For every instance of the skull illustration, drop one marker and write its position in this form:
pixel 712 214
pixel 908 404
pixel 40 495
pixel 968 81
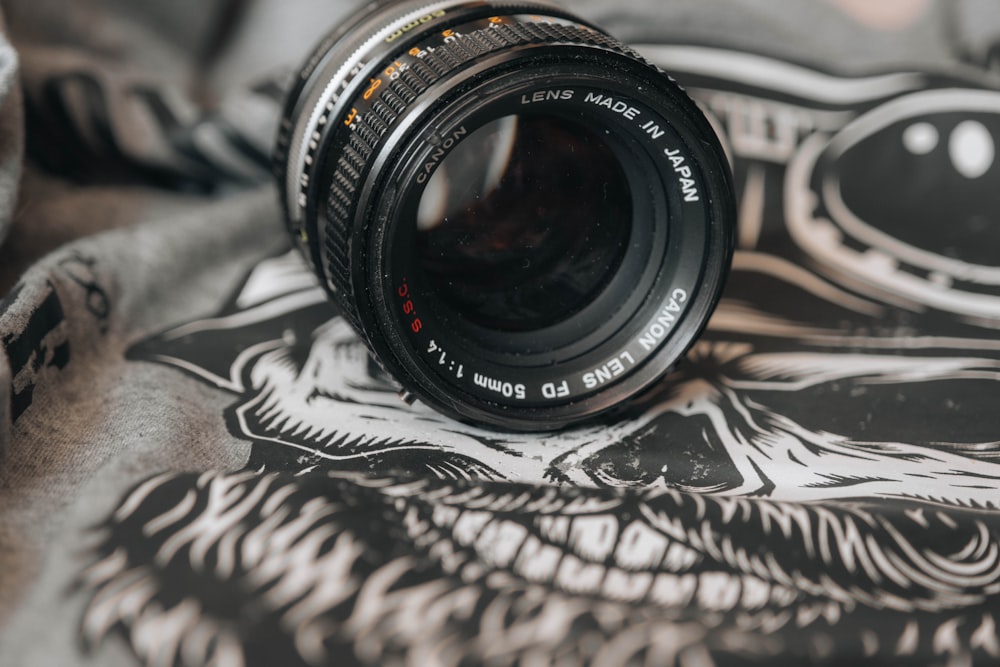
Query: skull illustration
pixel 835 366
pixel 821 473
pixel 769 404
pixel 847 359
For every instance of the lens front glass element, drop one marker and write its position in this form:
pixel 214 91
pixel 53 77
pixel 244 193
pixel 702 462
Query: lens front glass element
pixel 524 222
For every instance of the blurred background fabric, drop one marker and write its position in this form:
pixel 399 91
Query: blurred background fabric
pixel 200 465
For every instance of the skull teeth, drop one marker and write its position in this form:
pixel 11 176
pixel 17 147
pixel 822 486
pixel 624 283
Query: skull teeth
pixel 538 562
pixel 594 537
pixel 641 548
pixel 597 554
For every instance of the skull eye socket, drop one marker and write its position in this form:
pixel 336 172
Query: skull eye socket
pixel 692 457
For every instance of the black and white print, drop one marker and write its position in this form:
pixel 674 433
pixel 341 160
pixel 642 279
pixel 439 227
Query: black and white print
pixel 40 348
pixel 331 568
pixel 820 480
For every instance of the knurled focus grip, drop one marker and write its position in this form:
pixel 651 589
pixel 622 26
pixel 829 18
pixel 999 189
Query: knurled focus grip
pixel 354 142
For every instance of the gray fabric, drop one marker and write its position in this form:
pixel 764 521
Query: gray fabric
pixel 832 41
pixel 148 273
pixel 126 258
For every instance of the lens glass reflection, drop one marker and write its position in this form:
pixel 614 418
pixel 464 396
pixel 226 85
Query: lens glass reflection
pixel 524 222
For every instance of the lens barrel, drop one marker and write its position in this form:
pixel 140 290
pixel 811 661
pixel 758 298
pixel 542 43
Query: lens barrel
pixel 526 222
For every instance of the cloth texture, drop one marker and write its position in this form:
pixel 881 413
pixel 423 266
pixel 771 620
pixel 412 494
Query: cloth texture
pixel 200 465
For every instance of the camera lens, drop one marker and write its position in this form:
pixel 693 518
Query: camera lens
pixel 526 222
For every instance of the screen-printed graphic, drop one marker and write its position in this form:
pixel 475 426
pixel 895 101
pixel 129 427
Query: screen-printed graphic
pixel 819 479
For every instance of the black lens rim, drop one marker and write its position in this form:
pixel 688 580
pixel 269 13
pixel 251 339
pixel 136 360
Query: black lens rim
pixel 704 266
pixel 334 211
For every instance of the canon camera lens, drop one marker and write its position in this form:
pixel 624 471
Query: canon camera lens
pixel 525 221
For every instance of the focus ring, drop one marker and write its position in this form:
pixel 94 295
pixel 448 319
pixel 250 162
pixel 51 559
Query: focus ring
pixel 368 128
